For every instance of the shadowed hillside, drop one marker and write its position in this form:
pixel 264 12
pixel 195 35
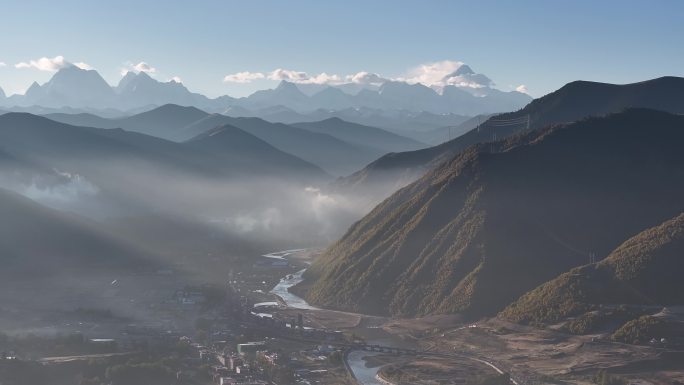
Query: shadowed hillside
pixel 497 220
pixel 320 144
pixel 360 135
pixel 570 103
pixel 333 155
pixel 40 141
pixel 645 270
pixel 36 240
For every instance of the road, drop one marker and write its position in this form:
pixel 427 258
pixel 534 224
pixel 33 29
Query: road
pixel 63 359
pixel 351 347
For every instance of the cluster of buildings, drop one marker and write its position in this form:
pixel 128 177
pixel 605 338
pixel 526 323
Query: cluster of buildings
pixel 320 352
pixel 253 363
pixel 239 366
pixel 190 296
pixel 658 342
pixel 8 356
pixel 294 327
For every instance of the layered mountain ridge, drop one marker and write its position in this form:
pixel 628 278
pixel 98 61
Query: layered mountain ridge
pixel 497 220
pixel 338 147
pixel 74 87
pixel 571 102
pixel 644 270
pixel 40 142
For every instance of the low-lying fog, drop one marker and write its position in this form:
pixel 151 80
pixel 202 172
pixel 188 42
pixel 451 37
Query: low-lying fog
pixel 257 208
pixel 200 226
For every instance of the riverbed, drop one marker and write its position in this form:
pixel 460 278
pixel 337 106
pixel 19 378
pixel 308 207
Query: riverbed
pixel 364 375
pixel 291 300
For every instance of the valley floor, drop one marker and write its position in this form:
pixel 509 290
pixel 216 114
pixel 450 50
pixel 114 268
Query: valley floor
pixel 531 355
pixel 535 355
pixel 450 351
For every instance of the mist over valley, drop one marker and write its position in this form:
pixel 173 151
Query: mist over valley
pixel 383 193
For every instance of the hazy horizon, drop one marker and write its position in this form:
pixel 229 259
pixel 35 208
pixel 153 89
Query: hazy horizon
pixel 316 43
pixel 341 193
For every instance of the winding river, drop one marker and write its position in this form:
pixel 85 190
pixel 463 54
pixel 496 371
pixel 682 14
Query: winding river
pixel 291 300
pixel 365 375
pixel 355 360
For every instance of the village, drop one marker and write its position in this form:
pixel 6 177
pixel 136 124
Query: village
pixel 227 335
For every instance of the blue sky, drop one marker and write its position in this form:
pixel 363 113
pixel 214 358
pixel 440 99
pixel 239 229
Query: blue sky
pixel 539 44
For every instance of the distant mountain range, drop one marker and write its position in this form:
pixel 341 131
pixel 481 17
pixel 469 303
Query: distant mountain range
pixel 495 221
pixel 360 135
pixel 424 127
pixel 570 103
pixel 391 95
pixel 73 87
pixel 338 147
pixel 139 90
pixel 415 125
pixel 537 215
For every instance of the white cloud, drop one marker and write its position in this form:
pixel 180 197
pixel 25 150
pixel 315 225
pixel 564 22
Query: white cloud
pixel 431 73
pixel 435 75
pixel 303 77
pixel 137 68
pixel 319 199
pixel 144 67
pixel 84 66
pixel 364 77
pixel 288 75
pixel 70 187
pixel 177 79
pixel 45 64
pixel 469 80
pixel 2 64
pixel 324 78
pixel 243 77
pixel 283 74
pixel 521 88
pixel 446 72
